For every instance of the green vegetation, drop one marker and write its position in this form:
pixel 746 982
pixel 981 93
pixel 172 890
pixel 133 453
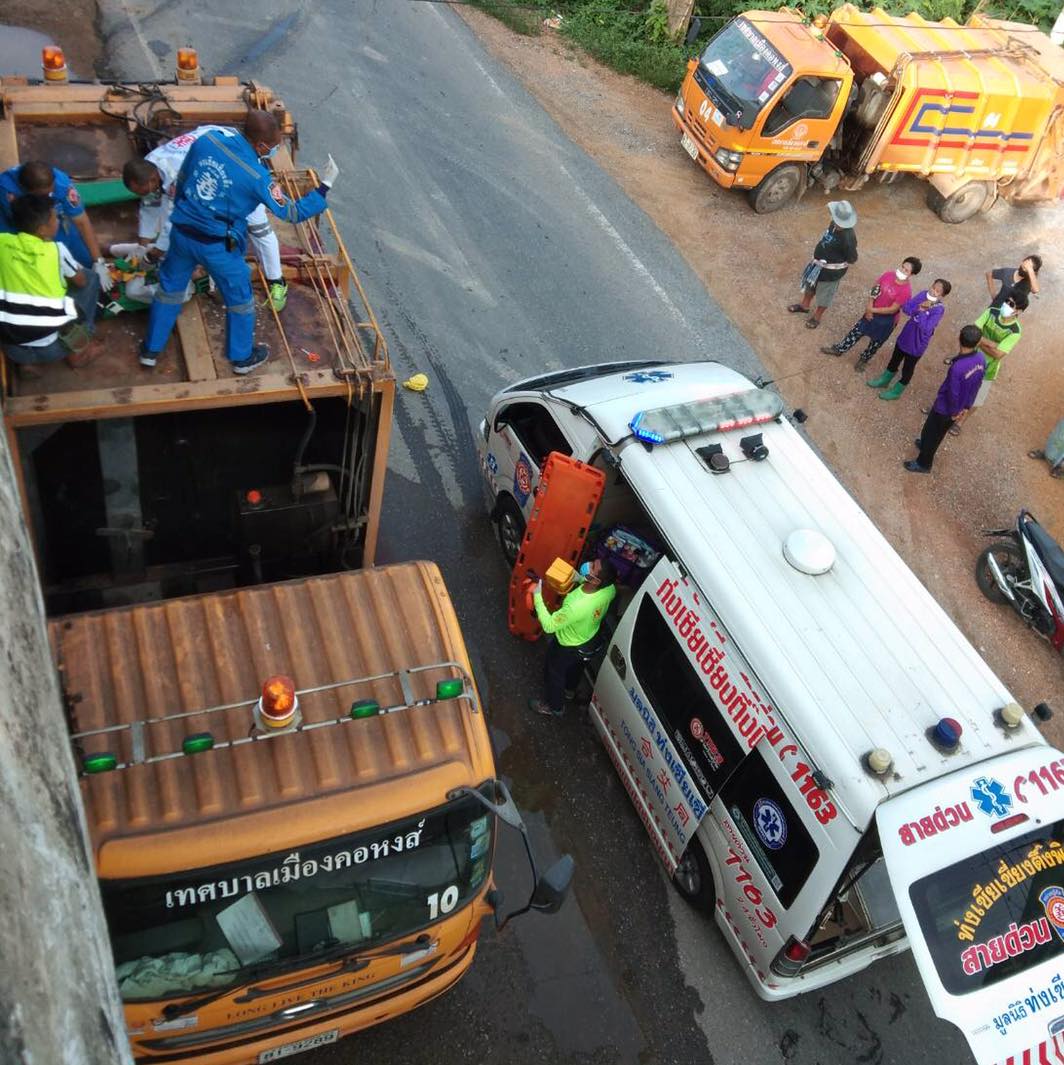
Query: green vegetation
pixel 631 36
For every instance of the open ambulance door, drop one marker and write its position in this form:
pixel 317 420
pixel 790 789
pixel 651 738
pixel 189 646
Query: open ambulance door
pixel 976 862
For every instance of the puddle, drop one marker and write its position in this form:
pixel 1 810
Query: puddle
pixel 20 51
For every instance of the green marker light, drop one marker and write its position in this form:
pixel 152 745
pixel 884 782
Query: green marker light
pixel 450 689
pixel 365 708
pixel 99 763
pixel 197 742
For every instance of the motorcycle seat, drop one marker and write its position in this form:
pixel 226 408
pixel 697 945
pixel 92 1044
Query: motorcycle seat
pixel 1049 551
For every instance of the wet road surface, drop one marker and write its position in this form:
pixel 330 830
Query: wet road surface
pixel 492 249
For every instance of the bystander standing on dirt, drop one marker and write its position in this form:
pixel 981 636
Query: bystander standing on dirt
pixel 833 255
pixel 925 311
pixel 955 397
pixel 1007 281
pixel 1053 452
pixel 890 291
pixel 1001 332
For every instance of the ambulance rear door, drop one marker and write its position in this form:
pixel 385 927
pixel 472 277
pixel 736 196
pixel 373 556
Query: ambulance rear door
pixel 976 862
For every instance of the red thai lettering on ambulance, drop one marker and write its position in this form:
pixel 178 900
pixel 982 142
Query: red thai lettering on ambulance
pixel 1046 778
pixel 742 876
pixel 939 820
pixel 743 705
pixel 1018 939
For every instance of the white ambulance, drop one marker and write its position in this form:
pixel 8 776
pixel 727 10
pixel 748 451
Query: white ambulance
pixel 818 755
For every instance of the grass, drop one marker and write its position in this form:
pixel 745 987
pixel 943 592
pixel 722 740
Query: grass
pixel 523 18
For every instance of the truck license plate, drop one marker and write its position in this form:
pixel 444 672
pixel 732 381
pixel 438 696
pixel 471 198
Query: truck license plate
pixel 286 1050
pixel 690 147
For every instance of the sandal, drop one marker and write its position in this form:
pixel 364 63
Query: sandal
pixel 813 323
pixel 797 308
pixel 1038 453
pixel 954 430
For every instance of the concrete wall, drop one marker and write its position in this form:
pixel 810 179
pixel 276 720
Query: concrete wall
pixel 58 1000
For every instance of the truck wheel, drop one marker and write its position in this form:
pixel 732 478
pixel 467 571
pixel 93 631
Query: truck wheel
pixel 777 189
pixel 693 879
pixel 510 523
pixel 1010 561
pixel 961 204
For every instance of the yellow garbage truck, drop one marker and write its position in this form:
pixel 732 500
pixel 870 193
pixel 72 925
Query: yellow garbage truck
pixel 778 102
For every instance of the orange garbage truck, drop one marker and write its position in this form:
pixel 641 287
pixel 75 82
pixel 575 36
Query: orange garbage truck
pixel 778 102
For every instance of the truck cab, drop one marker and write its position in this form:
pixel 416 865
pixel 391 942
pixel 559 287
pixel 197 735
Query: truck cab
pixel 764 100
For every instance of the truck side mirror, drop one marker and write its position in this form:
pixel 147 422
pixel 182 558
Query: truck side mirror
pixel 553 886
pixel 693 30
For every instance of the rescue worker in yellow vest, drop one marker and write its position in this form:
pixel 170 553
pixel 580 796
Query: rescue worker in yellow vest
pixel 35 270
pixel 575 628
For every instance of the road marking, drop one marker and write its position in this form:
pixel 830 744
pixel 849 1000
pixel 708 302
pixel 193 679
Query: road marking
pixel 476 62
pixel 636 263
pixel 134 23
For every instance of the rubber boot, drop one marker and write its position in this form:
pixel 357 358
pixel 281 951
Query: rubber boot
pixel 894 392
pixel 882 380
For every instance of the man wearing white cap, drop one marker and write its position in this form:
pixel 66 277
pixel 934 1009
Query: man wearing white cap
pixel 835 252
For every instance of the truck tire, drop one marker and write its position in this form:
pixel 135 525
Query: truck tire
pixel 510 523
pixel 694 880
pixel 961 204
pixel 777 189
pixel 1010 560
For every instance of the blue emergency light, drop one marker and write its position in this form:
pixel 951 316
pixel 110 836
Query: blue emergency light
pixel 738 410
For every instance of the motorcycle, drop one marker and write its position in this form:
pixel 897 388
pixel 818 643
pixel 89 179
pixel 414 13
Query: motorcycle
pixel 1026 570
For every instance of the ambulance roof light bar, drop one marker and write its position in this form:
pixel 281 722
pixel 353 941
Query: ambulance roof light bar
pixel 738 410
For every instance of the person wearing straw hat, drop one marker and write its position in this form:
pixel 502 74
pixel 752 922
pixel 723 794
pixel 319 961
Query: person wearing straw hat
pixel 834 254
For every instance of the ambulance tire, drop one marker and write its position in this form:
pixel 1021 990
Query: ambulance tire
pixel 961 204
pixel 510 524
pixel 694 879
pixel 777 189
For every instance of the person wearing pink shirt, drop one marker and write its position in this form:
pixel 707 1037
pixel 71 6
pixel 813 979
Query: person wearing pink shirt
pixel 880 313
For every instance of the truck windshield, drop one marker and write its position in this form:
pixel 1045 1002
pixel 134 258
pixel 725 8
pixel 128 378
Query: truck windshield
pixel 996 914
pixel 739 71
pixel 203 929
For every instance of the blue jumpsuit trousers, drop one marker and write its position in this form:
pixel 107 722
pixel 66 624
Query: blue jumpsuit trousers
pixel 230 273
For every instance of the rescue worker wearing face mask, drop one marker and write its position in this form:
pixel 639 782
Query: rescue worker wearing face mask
pixel 574 626
pixel 222 181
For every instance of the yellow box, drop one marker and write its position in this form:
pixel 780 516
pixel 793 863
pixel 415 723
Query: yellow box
pixel 561 577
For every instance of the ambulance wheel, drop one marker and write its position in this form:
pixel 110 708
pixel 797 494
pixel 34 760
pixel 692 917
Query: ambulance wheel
pixel 510 523
pixel 1010 561
pixel 961 204
pixel 778 189
pixel 693 879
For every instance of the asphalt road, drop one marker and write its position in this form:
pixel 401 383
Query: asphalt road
pixel 492 248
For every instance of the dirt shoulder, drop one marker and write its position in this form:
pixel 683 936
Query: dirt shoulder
pixel 751 265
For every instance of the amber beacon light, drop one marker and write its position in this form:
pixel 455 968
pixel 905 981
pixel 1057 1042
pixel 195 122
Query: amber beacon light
pixel 53 63
pixel 279 704
pixel 188 65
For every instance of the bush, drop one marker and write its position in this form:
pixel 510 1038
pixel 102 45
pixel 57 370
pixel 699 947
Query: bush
pixel 522 17
pixel 624 42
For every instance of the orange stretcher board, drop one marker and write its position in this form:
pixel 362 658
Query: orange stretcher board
pixel 565 503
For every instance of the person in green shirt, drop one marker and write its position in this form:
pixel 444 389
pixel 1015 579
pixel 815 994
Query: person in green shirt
pixel 1001 331
pixel 574 626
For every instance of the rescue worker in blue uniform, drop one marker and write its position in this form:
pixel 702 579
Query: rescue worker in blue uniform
pixel 75 230
pixel 221 182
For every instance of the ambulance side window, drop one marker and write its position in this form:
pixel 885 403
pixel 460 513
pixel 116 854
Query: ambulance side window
pixel 534 427
pixel 776 837
pixel 675 688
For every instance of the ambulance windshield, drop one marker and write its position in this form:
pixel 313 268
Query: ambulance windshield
pixel 997 914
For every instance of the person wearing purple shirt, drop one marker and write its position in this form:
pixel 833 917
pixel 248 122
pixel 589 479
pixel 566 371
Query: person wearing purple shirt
pixel 955 396
pixel 925 311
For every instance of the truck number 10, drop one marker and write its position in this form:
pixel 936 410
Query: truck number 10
pixel 441 903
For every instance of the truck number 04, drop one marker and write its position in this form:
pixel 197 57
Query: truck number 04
pixel 440 903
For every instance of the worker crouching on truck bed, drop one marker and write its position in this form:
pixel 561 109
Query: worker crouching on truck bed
pixel 154 180
pixel 35 270
pixel 222 181
pixel 575 626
